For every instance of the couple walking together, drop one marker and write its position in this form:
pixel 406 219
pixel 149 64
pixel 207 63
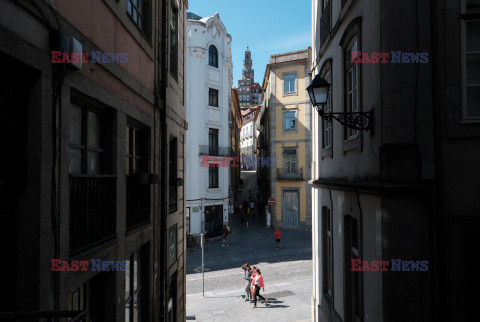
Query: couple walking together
pixel 254 279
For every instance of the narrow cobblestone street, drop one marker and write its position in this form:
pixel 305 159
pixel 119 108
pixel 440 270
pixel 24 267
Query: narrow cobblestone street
pixel 287 273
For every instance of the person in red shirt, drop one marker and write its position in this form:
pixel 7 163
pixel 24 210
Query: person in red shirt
pixel 277 239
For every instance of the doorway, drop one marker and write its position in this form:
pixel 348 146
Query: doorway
pixel 213 221
pixel 290 207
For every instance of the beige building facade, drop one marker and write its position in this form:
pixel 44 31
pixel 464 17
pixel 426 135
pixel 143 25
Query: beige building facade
pixel 287 107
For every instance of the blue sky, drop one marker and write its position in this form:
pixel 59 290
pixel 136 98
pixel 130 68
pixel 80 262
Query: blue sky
pixel 266 26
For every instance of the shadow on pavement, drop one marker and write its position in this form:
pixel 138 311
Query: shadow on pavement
pixel 254 245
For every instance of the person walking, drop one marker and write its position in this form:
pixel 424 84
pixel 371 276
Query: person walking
pixel 244 204
pixel 191 241
pixel 248 277
pixel 243 217
pixel 252 207
pixel 259 284
pixel 277 238
pixel 252 284
pixel 225 235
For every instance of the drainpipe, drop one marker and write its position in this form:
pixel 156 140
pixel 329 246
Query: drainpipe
pixel 163 163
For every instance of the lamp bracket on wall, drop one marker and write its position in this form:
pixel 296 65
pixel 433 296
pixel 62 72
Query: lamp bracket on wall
pixel 362 121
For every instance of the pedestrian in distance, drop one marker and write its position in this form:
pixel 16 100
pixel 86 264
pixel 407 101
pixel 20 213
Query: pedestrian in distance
pixel 191 241
pixel 259 284
pixel 245 205
pixel 248 277
pixel 277 238
pixel 225 235
pixel 252 207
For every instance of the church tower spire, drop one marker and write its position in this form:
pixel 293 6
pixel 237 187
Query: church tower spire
pixel 248 72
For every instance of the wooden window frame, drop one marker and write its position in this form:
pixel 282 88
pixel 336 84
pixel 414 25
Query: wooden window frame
pixel 213 95
pixel 327 258
pixel 466 17
pixel 173 32
pixel 143 10
pixel 213 56
pixel 84 147
pixel 213 177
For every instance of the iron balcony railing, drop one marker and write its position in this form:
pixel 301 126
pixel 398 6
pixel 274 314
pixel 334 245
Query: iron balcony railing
pixel 92 211
pixel 138 202
pixel 75 316
pixel 287 175
pixel 215 150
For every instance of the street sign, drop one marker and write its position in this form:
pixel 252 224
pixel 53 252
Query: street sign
pixel 271 201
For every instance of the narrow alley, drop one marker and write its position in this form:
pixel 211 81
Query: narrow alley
pixel 287 272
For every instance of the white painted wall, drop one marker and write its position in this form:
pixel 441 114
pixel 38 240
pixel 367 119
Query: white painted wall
pixel 200 117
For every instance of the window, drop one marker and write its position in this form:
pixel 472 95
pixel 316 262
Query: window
pixel 212 56
pixel 138 11
pixel 213 177
pixel 289 121
pixel 213 141
pixel 471 60
pixel 352 86
pixel 76 299
pixel 136 286
pixel 327 126
pixel 172 169
pixel 289 83
pixel 327 252
pixel 213 97
pixel 353 278
pixel 290 161
pixel 173 40
pixel 87 141
pixel 135 160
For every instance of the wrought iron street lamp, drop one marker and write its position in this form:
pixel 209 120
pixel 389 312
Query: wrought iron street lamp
pixel 318 92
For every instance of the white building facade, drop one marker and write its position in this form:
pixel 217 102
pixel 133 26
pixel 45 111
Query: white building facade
pixel 209 82
pixel 248 141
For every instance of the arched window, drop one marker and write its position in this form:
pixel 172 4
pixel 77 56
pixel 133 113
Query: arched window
pixel 213 56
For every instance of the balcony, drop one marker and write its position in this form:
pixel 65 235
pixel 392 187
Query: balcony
pixel 138 202
pixel 92 211
pixel 214 151
pixel 282 175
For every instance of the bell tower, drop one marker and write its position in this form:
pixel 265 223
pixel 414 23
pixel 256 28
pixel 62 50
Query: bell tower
pixel 248 72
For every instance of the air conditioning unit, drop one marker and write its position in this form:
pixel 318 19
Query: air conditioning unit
pixel 71 45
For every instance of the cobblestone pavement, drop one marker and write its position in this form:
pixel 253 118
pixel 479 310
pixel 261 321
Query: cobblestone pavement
pixel 287 273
